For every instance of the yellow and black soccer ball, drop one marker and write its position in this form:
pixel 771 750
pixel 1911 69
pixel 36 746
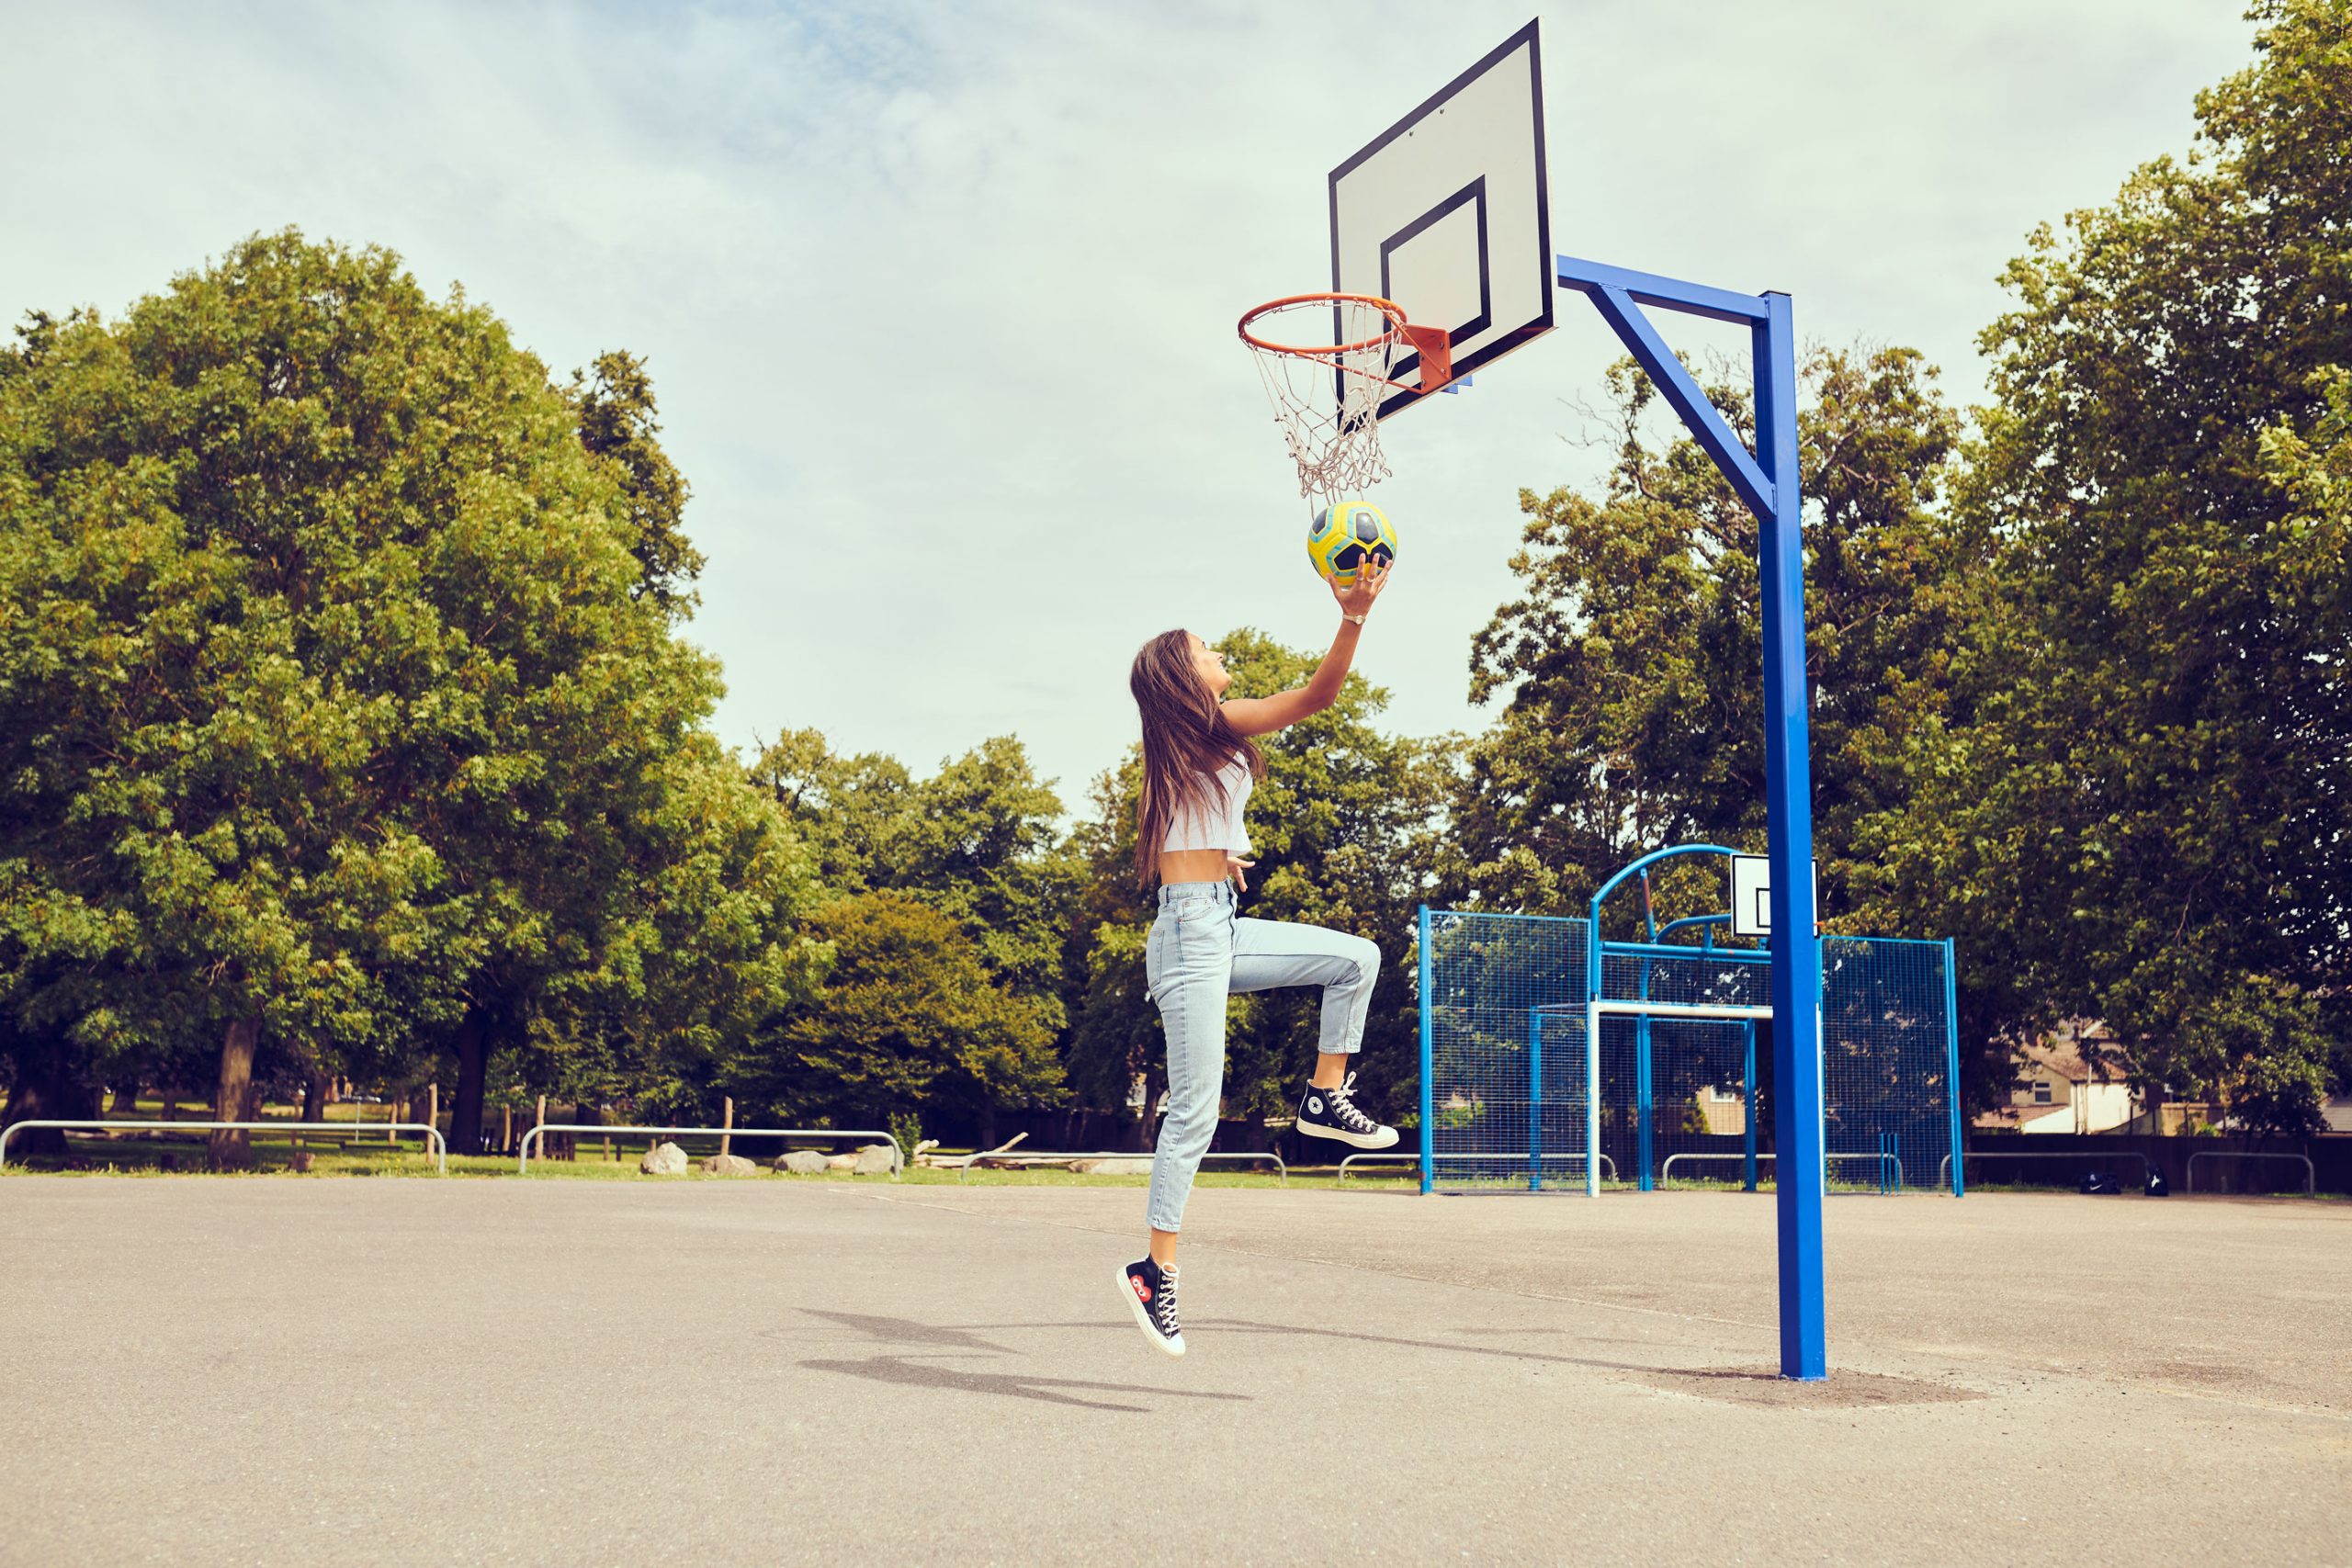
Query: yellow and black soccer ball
pixel 1345 535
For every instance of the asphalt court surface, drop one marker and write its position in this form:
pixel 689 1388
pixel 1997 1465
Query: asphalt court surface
pixel 252 1371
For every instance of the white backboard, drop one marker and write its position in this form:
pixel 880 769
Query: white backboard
pixel 1751 894
pixel 1448 213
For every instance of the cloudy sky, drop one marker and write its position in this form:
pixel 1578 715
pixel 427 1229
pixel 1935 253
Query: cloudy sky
pixel 939 297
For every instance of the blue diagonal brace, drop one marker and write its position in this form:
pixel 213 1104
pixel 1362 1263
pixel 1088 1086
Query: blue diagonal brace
pixel 1706 422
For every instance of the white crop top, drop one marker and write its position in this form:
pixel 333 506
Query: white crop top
pixel 1204 826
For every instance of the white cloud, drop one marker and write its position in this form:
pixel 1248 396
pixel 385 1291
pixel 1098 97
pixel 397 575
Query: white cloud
pixel 939 300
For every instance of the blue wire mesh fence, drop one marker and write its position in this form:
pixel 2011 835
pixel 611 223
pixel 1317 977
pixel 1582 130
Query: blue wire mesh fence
pixel 1505 1068
pixel 1886 1039
pixel 1683 1101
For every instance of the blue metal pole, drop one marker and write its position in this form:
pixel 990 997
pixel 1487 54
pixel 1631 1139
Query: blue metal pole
pixel 1534 1099
pixel 1592 1055
pixel 1642 1136
pixel 1788 814
pixel 1952 1061
pixel 1646 1142
pixel 1429 1122
pixel 1748 1084
pixel 1768 483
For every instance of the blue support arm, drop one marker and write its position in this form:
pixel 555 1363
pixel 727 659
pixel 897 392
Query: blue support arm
pixel 1706 422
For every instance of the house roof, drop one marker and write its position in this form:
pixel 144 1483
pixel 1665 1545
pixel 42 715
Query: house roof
pixel 2060 1052
pixel 2016 1118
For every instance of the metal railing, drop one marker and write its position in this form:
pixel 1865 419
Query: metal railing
pixel 440 1144
pixel 1884 1158
pixel 1414 1158
pixel 1039 1156
pixel 2090 1160
pixel 2189 1178
pixel 828 1134
pixel 1608 1166
pixel 1665 1171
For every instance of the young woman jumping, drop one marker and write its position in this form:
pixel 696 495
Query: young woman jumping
pixel 1199 765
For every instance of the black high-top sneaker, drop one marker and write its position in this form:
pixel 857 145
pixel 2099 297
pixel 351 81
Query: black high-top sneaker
pixel 1151 1296
pixel 1332 1113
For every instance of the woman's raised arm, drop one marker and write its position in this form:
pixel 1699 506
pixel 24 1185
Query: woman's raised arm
pixel 1264 715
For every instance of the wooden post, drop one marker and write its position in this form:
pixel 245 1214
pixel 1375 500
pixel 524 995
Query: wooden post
pixel 541 1122
pixel 506 1129
pixel 726 1119
pixel 432 1111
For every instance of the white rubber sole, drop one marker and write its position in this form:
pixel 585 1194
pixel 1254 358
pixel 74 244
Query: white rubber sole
pixel 1143 1319
pixel 1383 1139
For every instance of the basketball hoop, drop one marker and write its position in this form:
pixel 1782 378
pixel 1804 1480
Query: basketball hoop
pixel 1326 395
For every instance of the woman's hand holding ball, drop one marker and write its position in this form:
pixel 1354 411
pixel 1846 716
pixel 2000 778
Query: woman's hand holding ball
pixel 1355 597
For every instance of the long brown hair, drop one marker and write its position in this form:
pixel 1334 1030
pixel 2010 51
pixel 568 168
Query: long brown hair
pixel 1187 741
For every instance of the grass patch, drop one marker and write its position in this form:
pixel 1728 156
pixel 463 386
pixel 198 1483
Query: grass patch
pixel 183 1154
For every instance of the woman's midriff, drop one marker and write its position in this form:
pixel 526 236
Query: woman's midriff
pixel 1192 865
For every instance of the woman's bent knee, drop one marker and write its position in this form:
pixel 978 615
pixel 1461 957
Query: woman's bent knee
pixel 1185 1145
pixel 1187 1129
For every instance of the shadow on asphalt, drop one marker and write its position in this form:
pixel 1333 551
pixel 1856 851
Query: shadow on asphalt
pixel 894 1331
pixel 922 1371
pixel 905 1331
pixel 1758 1387
pixel 916 1373
pixel 1244 1326
pixel 945 1342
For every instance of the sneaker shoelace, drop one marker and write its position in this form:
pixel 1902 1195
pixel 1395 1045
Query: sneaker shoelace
pixel 1344 1108
pixel 1164 1304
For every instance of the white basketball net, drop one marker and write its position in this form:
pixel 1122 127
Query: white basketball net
pixel 1327 401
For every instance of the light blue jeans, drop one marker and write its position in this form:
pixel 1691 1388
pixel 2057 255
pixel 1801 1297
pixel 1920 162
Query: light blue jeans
pixel 1202 953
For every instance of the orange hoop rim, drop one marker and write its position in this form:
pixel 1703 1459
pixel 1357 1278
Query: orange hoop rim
pixel 1388 308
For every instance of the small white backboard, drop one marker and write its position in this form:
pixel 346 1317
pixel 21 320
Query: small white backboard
pixel 1448 213
pixel 1751 894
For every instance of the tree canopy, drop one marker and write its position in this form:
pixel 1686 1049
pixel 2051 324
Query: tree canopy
pixel 343 705
pixel 2138 801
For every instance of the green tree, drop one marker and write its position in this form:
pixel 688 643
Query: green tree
pixel 703 951
pixel 910 1015
pixel 980 841
pixel 192 847
pixel 1629 666
pixel 2145 775
pixel 617 409
pixel 341 703
pixel 979 844
pixel 1628 670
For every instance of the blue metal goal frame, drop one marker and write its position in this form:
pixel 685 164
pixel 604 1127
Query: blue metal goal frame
pixel 1495 984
